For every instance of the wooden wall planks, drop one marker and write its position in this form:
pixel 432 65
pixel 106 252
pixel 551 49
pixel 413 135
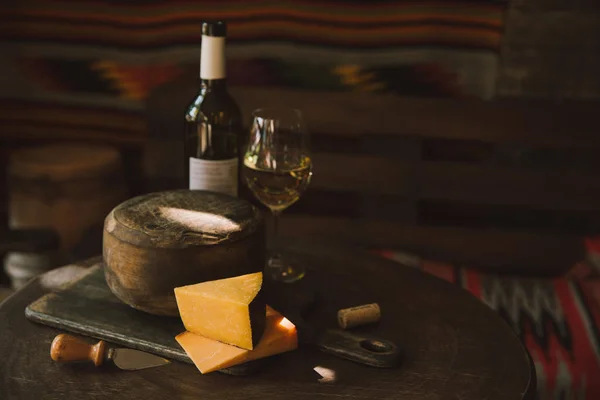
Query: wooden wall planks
pixel 489 184
pixel 60 122
pixel 375 167
pixel 527 122
pixel 385 187
pixel 493 250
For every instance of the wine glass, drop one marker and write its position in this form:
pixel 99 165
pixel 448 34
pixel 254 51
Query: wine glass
pixel 278 169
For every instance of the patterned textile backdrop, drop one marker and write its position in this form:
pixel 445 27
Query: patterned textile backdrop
pixel 99 60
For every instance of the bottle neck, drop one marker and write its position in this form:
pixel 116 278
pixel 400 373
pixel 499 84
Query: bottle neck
pixel 212 59
pixel 213 85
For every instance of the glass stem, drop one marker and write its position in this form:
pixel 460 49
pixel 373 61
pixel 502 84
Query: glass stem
pixel 275 235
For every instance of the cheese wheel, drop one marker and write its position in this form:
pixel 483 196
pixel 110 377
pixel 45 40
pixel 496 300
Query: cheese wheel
pixel 159 241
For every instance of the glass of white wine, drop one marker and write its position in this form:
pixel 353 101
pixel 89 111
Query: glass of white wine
pixel 278 169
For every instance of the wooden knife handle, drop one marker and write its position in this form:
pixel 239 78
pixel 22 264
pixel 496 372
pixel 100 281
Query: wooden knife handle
pixel 66 348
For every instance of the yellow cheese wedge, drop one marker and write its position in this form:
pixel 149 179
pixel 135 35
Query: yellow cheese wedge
pixel 229 310
pixel 210 355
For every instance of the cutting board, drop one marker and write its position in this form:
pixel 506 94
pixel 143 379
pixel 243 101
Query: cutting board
pixel 88 307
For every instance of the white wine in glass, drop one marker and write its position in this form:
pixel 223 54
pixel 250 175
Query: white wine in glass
pixel 278 169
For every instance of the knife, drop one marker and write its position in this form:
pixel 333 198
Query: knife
pixel 66 348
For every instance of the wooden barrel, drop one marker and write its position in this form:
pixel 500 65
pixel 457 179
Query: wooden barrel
pixel 159 241
pixel 67 187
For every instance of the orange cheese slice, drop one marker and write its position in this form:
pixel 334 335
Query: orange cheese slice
pixel 230 310
pixel 210 355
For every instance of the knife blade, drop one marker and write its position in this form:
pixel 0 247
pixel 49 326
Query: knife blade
pixel 66 348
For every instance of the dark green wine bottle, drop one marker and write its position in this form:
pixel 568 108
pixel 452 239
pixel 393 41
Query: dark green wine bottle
pixel 213 130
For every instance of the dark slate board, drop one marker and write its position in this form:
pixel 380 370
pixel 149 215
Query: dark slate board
pixel 88 307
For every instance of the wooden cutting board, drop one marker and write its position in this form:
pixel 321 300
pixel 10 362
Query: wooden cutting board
pixel 88 307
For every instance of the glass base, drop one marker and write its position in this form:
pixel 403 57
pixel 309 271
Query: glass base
pixel 280 270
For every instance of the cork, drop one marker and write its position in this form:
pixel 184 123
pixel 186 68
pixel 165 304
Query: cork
pixel 359 315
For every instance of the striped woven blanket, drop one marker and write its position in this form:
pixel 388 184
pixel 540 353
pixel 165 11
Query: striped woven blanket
pixel 101 59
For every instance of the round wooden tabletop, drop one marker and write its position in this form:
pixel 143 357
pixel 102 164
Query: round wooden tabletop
pixel 454 347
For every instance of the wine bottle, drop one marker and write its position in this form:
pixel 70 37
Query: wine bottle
pixel 213 130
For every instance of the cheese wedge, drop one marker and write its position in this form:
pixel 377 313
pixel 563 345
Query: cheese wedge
pixel 229 310
pixel 210 355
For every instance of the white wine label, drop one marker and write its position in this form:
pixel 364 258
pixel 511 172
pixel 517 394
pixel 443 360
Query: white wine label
pixel 212 58
pixel 214 175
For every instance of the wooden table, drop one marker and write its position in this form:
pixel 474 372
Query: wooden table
pixel 454 346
